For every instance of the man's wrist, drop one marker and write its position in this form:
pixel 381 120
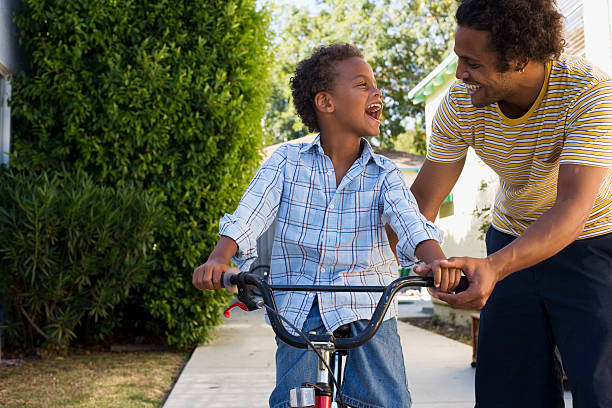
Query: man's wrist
pixel 498 265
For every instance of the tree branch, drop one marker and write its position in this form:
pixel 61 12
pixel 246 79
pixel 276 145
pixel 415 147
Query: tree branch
pixel 42 333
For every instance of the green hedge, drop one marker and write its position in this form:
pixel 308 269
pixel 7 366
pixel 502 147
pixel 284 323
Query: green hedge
pixel 165 94
pixel 71 252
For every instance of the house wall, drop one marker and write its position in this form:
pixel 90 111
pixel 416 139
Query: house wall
pixel 5 120
pixel 10 63
pixel 597 33
pixel 10 53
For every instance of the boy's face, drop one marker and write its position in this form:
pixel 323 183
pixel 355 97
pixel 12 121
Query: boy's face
pixel 477 66
pixel 356 99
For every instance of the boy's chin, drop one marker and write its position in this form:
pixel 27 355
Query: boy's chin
pixel 373 132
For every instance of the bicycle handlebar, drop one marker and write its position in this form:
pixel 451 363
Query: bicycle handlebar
pixel 241 280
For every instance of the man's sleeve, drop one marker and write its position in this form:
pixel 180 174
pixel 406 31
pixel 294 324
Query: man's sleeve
pixel 588 139
pixel 446 144
pixel 257 209
pixel 400 209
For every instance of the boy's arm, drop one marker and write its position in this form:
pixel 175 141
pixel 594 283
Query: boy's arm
pixel 393 240
pixel 208 276
pixel 418 237
pixel 257 209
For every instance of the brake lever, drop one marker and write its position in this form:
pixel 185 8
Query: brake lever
pixel 234 281
pixel 241 305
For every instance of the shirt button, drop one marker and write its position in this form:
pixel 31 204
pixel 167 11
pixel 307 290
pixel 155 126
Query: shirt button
pixel 323 270
pixel 331 207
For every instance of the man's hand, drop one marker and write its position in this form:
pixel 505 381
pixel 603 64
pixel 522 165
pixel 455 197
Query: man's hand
pixel 208 276
pixel 482 277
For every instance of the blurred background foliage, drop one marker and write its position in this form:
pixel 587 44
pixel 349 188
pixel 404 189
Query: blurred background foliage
pixel 402 40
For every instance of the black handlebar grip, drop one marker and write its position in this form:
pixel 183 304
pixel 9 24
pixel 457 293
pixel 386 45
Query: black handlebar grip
pixel 226 280
pixel 463 285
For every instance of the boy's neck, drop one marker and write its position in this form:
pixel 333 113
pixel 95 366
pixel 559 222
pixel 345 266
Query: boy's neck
pixel 342 149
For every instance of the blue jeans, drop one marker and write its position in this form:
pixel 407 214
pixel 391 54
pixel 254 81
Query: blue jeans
pixel 374 374
pixel 566 301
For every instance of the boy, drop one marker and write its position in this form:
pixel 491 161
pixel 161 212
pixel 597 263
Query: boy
pixel 331 197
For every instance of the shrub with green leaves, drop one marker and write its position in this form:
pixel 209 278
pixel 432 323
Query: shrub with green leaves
pixel 71 252
pixel 166 94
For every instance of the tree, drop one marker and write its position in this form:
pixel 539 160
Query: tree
pixel 165 95
pixel 402 42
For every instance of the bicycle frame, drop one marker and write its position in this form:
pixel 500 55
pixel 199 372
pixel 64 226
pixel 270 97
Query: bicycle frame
pixel 329 348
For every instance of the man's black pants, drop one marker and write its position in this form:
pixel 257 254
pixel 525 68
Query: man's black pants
pixel 565 300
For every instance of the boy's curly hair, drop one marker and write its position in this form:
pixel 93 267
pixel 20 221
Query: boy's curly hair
pixel 316 74
pixel 519 29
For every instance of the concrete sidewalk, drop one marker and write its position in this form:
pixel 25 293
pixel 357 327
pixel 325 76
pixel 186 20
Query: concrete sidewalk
pixel 237 368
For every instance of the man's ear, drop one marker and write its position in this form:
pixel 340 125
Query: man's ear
pixel 521 64
pixel 323 102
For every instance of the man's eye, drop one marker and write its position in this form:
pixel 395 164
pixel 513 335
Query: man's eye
pixel 473 66
pixel 362 84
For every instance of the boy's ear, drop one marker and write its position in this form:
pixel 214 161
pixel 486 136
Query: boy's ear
pixel 323 102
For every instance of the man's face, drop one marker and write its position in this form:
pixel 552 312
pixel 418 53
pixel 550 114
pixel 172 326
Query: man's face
pixel 478 67
pixel 357 100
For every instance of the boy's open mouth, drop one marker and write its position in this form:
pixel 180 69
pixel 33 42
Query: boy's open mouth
pixel 374 110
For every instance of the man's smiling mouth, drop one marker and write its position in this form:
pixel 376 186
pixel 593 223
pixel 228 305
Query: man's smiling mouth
pixel 472 88
pixel 374 110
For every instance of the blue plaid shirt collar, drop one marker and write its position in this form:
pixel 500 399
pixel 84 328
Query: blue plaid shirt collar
pixel 367 153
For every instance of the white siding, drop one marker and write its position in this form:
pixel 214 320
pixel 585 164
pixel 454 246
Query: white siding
pixel 5 120
pixel 597 32
pixel 10 54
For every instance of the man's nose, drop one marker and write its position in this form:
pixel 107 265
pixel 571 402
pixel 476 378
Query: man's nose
pixel 460 72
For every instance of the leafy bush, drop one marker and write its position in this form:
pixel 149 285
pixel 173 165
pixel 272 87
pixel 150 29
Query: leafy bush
pixel 168 95
pixel 71 251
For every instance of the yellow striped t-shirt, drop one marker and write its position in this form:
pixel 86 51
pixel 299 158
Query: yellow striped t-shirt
pixel 569 123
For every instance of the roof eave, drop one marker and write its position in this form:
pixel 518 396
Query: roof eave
pixel 435 78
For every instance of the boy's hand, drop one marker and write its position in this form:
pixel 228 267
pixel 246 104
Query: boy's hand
pixel 208 276
pixel 445 278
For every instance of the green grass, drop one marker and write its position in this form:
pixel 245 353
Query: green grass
pixel 88 380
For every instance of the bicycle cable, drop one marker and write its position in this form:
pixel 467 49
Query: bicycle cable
pixel 311 346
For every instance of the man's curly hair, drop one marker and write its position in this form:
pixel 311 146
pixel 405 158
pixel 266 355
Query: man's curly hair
pixel 519 29
pixel 317 74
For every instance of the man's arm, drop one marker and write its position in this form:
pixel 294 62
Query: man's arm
pixel 577 189
pixel 433 184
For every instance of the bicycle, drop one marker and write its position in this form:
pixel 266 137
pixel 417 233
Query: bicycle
pixel 330 348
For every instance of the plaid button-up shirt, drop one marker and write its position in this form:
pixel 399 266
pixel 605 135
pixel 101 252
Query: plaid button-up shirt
pixel 328 234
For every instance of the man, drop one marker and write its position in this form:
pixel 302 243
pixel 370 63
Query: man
pixel 543 123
